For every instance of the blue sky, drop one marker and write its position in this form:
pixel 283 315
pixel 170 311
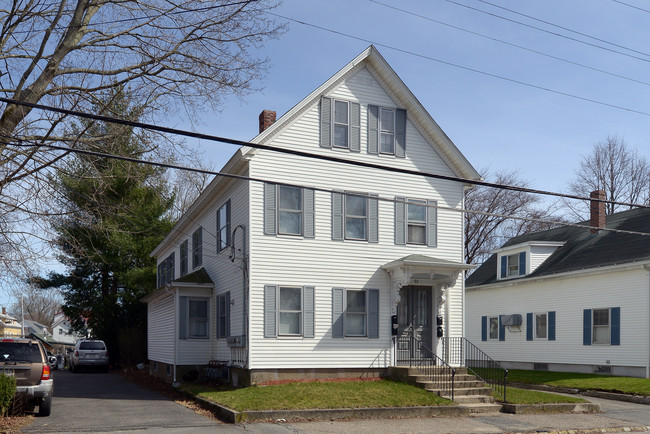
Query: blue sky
pixel 496 123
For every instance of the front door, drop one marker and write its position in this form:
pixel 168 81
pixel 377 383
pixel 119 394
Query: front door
pixel 415 313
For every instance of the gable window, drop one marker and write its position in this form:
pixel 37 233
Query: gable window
pixel 602 326
pixel 416 221
pixel 340 124
pixel 197 247
pixel 540 326
pixel 288 311
pixel 355 313
pixel 193 318
pixel 223 227
pixel 166 270
pixel 386 131
pixel 355 217
pixel 513 265
pixel 223 315
pixel 184 258
pixel 288 210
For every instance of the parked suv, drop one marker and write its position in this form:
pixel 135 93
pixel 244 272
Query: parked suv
pixel 27 360
pixel 89 352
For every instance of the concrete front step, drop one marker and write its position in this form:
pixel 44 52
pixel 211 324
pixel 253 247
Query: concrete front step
pixel 473 399
pixel 482 407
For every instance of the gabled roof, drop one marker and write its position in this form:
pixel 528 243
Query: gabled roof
pixel 582 249
pixel 391 83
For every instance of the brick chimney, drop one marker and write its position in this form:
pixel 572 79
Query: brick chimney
pixel 4 310
pixel 267 118
pixel 597 210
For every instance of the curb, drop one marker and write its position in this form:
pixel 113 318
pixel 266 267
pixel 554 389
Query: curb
pixel 579 407
pixel 636 399
pixel 231 416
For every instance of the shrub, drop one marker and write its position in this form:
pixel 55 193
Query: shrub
pixel 7 392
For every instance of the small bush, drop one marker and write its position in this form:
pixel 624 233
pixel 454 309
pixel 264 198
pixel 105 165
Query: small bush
pixel 7 392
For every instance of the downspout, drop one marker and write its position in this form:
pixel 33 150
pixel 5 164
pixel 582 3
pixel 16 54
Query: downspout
pixel 176 303
pixel 244 283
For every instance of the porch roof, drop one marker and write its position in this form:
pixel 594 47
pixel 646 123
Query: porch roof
pixel 426 263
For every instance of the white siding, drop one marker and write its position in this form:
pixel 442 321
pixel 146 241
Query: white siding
pixel 324 263
pixel 567 297
pixel 160 329
pixel 539 254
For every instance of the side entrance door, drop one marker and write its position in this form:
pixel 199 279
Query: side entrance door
pixel 415 313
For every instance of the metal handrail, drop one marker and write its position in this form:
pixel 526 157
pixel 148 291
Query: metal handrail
pixel 459 351
pixel 411 350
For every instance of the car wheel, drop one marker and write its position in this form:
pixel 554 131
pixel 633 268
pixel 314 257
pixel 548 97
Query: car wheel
pixel 45 406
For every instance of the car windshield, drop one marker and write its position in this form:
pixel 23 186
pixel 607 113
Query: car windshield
pixel 20 352
pixel 98 345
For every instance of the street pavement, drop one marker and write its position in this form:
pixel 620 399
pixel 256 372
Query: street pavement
pixel 97 402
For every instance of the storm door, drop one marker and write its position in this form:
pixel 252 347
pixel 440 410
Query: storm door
pixel 414 318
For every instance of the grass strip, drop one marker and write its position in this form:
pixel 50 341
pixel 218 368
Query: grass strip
pixel 320 395
pixel 630 385
pixel 525 396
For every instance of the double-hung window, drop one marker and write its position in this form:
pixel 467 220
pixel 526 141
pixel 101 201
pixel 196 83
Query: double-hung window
pixel 184 258
pixel 386 131
pixel 223 227
pixel 355 217
pixel 340 124
pixel 602 326
pixel 494 327
pixel 513 265
pixel 288 210
pixel 197 248
pixel 288 311
pixel 416 222
pixel 193 320
pixel 355 313
pixel 540 326
pixel 223 315
pixel 166 270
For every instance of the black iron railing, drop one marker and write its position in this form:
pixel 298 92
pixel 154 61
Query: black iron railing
pixel 413 353
pixel 461 352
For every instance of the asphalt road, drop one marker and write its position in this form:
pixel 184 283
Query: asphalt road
pixel 97 402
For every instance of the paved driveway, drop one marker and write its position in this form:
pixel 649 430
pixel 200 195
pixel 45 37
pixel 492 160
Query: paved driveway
pixel 99 402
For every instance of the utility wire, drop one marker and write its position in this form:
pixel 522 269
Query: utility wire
pixel 320 189
pixel 564 28
pixel 550 32
pixel 298 153
pixel 466 68
pixel 501 41
pixel 631 6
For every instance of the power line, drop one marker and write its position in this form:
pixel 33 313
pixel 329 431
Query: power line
pixel 501 41
pixel 298 153
pixel 550 32
pixel 631 6
pixel 466 68
pixel 321 189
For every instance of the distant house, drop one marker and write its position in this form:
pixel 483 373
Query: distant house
pixel 10 326
pixel 36 328
pixel 568 299
pixel 62 331
pixel 301 271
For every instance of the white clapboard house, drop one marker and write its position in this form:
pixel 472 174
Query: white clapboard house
pixel 569 299
pixel 296 268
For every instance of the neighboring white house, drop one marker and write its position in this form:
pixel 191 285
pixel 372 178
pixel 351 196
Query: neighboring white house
pixel 298 270
pixel 62 331
pixel 568 299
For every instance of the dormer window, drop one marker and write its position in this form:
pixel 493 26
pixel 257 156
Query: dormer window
pixel 513 265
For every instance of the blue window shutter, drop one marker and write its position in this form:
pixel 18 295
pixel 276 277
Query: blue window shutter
pixel 502 329
pixel 373 218
pixel 615 330
pixel 270 204
pixel 227 314
pixel 308 204
pixel 373 129
pixel 337 216
pixel 326 122
pixel 551 326
pixel 504 266
pixel 400 133
pixel 529 326
pixel 218 231
pixel 373 313
pixel 308 312
pixel 355 127
pixel 337 312
pixel 217 326
pixel 432 223
pixel 586 327
pixel 522 263
pixel 270 311
pixel 182 317
pixel 484 327
pixel 400 220
pixel 228 231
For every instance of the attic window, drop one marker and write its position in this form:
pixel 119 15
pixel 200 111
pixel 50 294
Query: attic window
pixel 513 265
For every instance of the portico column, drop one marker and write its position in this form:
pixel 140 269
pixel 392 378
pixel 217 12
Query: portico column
pixel 399 277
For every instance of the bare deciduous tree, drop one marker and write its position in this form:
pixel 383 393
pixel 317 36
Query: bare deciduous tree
pixel 617 169
pixel 172 56
pixel 40 305
pixel 491 225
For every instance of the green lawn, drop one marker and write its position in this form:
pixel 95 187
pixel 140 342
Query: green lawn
pixel 525 396
pixel 305 395
pixel 631 385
